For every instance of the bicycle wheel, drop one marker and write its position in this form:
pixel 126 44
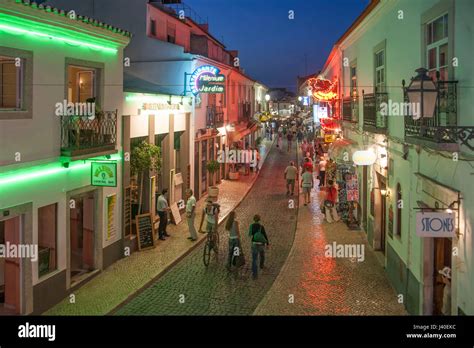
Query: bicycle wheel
pixel 216 243
pixel 206 257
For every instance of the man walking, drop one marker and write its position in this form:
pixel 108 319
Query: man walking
pixel 259 240
pixel 162 209
pixel 291 174
pixel 191 214
pixel 289 137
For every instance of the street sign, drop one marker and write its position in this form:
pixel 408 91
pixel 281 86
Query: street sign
pixel 435 224
pixel 104 174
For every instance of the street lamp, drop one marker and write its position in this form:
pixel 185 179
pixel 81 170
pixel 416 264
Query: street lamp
pixel 300 98
pixel 422 92
pixel 267 99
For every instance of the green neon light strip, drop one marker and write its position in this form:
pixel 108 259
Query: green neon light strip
pixel 63 39
pixel 35 172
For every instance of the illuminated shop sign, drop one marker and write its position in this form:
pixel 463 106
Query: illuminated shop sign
pixel 206 79
pixel 104 174
pixel 441 225
pixel 159 106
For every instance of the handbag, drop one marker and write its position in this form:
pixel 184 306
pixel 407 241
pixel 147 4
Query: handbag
pixel 239 260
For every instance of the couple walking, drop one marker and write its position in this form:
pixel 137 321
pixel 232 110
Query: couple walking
pixel 258 238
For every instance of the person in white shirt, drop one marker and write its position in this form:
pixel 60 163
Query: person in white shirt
pixel 191 214
pixel 322 171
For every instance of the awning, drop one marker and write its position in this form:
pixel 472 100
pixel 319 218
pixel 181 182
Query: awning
pixel 242 131
pixel 339 148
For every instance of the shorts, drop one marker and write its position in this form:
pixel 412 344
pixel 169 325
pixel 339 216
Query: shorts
pixel 307 189
pixel 290 181
pixel 210 227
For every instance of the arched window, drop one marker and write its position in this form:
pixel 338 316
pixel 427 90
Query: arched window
pixel 399 210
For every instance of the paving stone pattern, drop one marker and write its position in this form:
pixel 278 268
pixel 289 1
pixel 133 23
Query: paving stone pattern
pixel 329 286
pixel 189 288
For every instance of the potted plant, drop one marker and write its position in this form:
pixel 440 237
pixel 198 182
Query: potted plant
pixel 233 173
pixel 144 157
pixel 212 167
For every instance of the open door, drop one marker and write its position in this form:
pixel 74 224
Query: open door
pixel 10 268
pixel 442 258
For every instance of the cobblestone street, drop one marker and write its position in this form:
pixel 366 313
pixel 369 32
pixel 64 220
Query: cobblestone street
pixel 192 289
pixel 298 278
pixel 312 284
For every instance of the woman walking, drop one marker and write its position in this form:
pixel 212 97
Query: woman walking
pixel 232 227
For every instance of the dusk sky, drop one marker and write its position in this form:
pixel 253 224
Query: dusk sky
pixel 271 46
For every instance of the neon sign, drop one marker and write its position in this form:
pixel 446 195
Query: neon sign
pixel 323 89
pixel 206 79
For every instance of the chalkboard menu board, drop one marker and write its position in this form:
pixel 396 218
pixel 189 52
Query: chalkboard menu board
pixel 127 211
pixel 144 232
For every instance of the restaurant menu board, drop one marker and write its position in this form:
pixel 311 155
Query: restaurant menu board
pixel 175 213
pixel 144 231
pixel 127 211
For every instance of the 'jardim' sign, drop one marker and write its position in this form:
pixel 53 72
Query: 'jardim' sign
pixel 104 174
pixel 435 224
pixel 206 79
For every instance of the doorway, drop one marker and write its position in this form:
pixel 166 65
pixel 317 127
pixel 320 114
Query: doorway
pixel 442 258
pixel 82 237
pixel 363 218
pixel 10 268
pixel 383 216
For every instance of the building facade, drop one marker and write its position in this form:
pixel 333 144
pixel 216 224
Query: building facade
pixel 60 158
pixel 422 166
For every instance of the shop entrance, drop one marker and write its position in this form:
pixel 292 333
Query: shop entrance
pixel 10 268
pixel 383 216
pixel 82 237
pixel 364 198
pixel 442 258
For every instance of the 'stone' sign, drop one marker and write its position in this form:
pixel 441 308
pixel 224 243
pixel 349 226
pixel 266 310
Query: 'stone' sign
pixel 206 79
pixel 431 224
pixel 104 174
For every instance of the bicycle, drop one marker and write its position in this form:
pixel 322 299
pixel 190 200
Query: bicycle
pixel 212 243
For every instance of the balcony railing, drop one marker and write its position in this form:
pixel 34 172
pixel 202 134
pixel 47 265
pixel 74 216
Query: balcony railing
pixel 442 128
pixel 374 120
pixel 350 109
pixel 82 135
pixel 214 116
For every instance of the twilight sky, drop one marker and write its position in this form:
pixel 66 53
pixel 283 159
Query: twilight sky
pixel 272 47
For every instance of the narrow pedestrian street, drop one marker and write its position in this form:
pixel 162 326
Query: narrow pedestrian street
pixel 189 288
pixel 312 284
pixel 297 280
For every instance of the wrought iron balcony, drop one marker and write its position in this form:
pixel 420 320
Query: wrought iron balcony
pixel 374 120
pixel 214 116
pixel 350 109
pixel 441 131
pixel 81 135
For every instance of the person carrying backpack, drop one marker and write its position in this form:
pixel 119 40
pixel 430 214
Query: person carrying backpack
pixel 259 240
pixel 211 212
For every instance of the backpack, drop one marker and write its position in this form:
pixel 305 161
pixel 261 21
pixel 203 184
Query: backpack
pixel 259 237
